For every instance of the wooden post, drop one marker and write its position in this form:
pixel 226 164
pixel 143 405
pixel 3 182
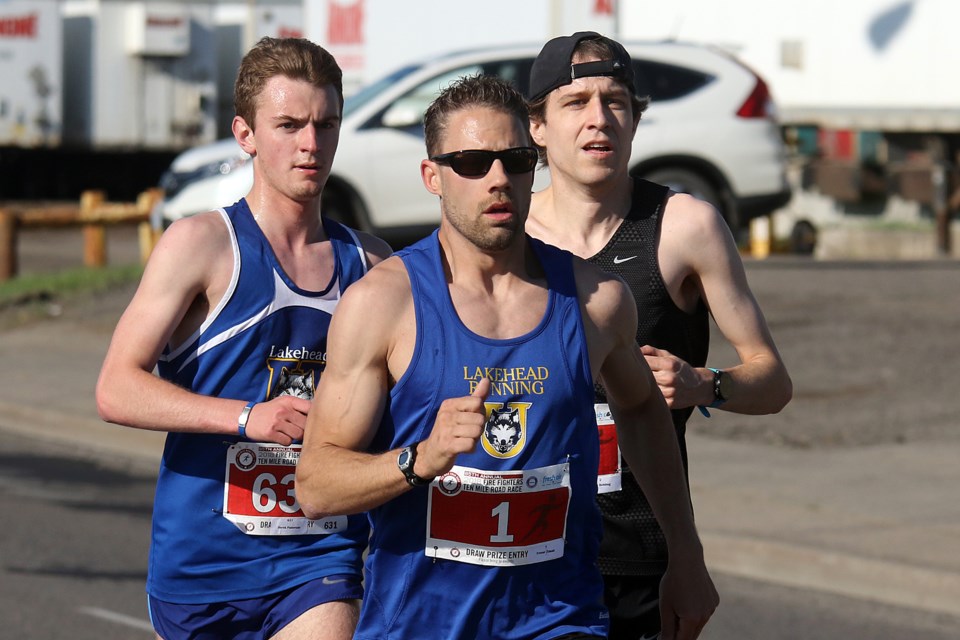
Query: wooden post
pixel 94 235
pixel 8 244
pixel 148 238
pixel 938 177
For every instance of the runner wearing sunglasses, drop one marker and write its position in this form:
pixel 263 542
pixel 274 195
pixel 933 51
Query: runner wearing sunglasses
pixel 457 406
pixel 475 163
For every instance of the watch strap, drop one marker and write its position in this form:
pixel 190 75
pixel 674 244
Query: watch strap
pixel 410 453
pixel 718 397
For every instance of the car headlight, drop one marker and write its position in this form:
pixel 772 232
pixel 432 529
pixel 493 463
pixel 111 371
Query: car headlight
pixel 173 182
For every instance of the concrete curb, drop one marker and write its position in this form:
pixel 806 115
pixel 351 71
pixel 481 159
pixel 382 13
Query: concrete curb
pixel 842 574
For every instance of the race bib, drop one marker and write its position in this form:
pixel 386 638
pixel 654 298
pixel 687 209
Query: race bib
pixel 258 493
pixel 608 475
pixel 498 518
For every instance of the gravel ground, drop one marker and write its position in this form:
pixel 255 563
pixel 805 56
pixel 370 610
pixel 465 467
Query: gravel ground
pixel 871 348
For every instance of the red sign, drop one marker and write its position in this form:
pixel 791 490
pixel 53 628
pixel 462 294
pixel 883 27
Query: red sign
pixel 603 7
pixel 345 24
pixel 19 27
pixel 289 32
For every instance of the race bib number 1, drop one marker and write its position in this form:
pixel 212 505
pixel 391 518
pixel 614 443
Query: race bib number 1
pixel 498 518
pixel 608 475
pixel 258 493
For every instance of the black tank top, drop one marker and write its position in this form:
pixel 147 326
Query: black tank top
pixel 633 543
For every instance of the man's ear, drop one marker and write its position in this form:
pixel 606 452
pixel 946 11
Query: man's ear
pixel 536 132
pixel 244 135
pixel 430 174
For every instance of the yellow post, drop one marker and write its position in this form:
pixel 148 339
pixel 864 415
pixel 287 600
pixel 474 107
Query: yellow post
pixel 94 235
pixel 760 236
pixel 148 236
pixel 8 244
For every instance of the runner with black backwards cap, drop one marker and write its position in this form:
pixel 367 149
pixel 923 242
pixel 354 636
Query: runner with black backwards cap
pixel 681 263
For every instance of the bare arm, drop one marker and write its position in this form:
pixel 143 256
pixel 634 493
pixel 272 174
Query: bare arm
pixel 369 346
pixel 190 264
pixel 648 441
pixel 697 249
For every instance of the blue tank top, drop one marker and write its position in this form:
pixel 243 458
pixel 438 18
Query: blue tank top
pixel 505 544
pixel 215 540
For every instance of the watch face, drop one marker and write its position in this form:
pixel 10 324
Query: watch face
pixel 725 386
pixel 404 459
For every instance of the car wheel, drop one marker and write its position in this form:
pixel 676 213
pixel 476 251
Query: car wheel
pixel 803 238
pixel 336 207
pixel 686 181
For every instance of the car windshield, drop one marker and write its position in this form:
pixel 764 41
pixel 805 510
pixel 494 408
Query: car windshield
pixel 368 92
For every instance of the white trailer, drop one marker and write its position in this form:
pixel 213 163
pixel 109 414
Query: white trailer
pixel 855 64
pixel 30 68
pixel 119 87
pixel 865 88
pixel 372 37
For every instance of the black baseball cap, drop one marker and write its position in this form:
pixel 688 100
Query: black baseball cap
pixel 553 69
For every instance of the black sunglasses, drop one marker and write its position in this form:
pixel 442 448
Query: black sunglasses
pixel 475 163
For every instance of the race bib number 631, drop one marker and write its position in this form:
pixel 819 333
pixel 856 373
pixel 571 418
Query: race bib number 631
pixel 258 494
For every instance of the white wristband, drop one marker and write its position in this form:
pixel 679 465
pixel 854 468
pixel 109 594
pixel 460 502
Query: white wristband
pixel 242 420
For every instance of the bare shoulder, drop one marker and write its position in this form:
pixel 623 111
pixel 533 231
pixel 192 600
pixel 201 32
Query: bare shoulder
pixel 374 320
pixel 689 218
pixel 608 312
pixel 196 246
pixel 379 294
pixel 693 235
pixel 605 298
pixel 204 230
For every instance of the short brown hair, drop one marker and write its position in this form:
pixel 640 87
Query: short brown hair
pixel 295 58
pixel 472 91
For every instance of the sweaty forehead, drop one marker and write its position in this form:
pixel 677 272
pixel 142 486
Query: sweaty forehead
pixel 483 128
pixel 604 85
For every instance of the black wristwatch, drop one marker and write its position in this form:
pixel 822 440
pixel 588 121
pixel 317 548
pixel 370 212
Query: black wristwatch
pixel 405 461
pixel 721 384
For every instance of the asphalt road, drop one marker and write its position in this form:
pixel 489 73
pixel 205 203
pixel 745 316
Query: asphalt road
pixel 73 552
pixel 73 560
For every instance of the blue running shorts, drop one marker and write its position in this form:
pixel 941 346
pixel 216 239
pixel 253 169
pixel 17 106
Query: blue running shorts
pixel 251 619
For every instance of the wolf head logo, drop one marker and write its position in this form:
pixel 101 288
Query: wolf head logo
pixel 294 383
pixel 503 430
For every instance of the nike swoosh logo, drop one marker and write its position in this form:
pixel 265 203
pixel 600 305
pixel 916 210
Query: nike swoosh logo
pixel 327 580
pixel 619 260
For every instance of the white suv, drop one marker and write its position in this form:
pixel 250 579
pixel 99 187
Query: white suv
pixel 710 130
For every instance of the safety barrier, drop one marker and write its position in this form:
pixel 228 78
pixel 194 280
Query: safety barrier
pixel 93 215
